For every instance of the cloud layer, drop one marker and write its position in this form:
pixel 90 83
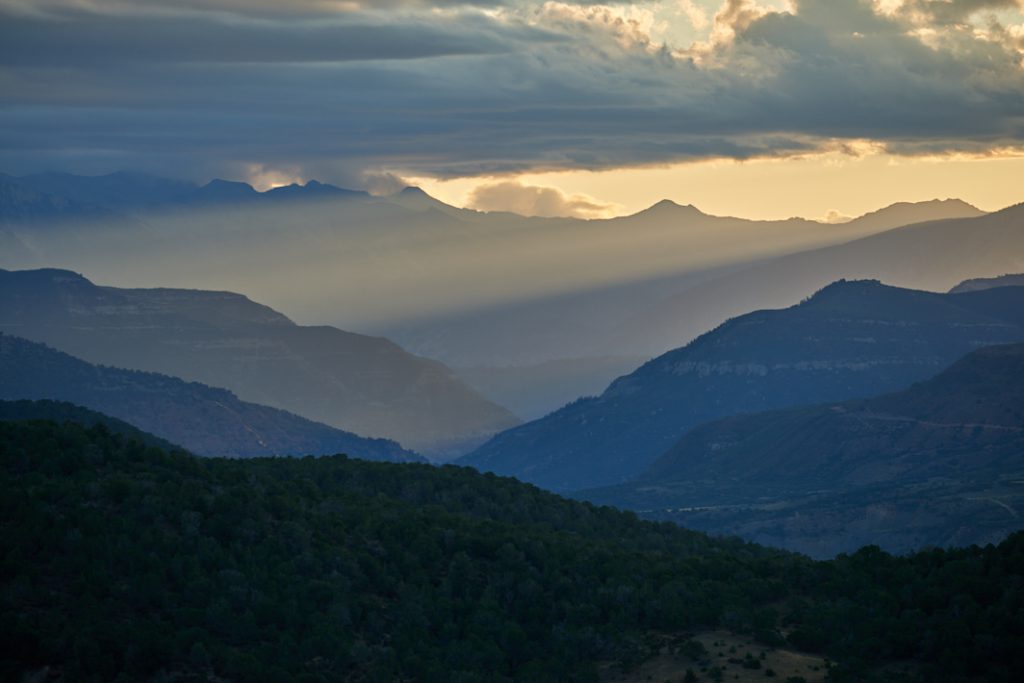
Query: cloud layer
pixel 532 200
pixel 349 91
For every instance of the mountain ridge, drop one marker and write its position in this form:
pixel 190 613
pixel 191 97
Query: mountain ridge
pixel 206 420
pixel 850 339
pixel 122 189
pixel 933 464
pixel 363 384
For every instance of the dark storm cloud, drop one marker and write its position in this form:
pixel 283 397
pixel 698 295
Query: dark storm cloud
pixel 457 92
pixel 100 40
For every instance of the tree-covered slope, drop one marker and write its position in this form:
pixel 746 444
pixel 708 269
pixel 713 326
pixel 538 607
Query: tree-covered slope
pixel 206 420
pixel 125 562
pixel 851 339
pixel 936 464
pixel 61 411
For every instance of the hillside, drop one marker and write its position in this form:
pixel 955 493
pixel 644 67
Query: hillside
pixel 851 339
pixel 61 412
pixel 937 464
pixel 122 561
pixel 366 385
pixel 203 419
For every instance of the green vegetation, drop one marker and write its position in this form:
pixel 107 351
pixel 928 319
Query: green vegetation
pixel 122 560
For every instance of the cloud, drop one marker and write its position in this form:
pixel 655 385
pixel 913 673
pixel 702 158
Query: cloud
pixel 102 40
pixel 533 200
pixel 835 217
pixel 946 12
pixel 336 90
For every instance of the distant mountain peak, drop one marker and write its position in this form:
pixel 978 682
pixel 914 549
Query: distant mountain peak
pixel 312 188
pixel 218 188
pixel 907 213
pixel 667 206
pixel 416 198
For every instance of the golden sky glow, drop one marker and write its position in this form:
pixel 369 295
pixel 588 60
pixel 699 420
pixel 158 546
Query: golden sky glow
pixel 811 186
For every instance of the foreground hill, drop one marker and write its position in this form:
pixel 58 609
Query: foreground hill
pixel 851 339
pixel 122 561
pixel 61 412
pixel 935 465
pixel 366 385
pixel 206 420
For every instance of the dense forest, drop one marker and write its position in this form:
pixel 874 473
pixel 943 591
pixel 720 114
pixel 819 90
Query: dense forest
pixel 125 561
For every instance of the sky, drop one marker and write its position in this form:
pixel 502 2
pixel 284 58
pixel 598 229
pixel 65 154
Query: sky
pixel 757 108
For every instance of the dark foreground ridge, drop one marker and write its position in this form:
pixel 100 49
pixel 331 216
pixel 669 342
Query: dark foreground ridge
pixel 122 561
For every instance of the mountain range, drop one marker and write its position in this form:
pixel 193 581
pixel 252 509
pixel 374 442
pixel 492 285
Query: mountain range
pixel 128 192
pixel 206 420
pixel 933 255
pixel 580 300
pixel 353 382
pixel 938 464
pixel 851 339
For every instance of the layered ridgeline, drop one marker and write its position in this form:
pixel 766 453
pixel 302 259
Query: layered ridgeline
pixel 614 319
pixel 938 464
pixel 206 420
pixel 851 339
pixel 366 385
pixel 533 312
pixel 52 197
pixel 126 562
pixel 934 255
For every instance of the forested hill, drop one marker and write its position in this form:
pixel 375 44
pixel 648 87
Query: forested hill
pixel 62 411
pixel 122 561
